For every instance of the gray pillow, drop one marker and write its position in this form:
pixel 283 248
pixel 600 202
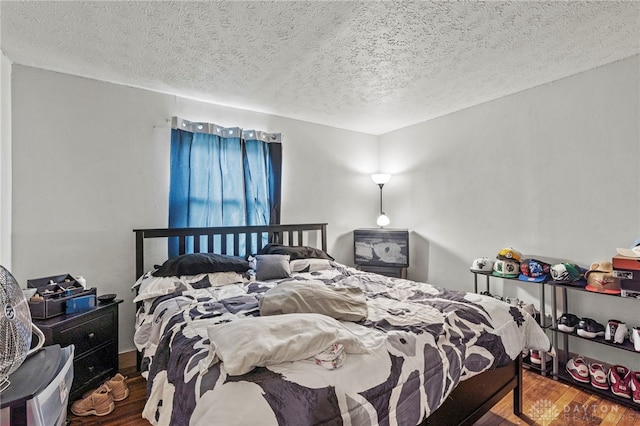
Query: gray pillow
pixel 272 266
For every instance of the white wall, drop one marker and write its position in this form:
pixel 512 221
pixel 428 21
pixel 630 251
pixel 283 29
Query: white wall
pixel 553 171
pixel 91 162
pixel 5 161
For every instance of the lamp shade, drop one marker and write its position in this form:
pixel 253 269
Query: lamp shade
pixel 381 178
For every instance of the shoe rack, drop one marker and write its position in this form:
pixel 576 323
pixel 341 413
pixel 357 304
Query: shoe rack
pixel 563 357
pixel 546 365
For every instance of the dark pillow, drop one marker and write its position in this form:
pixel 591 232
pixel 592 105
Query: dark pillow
pixel 201 263
pixel 272 267
pixel 295 252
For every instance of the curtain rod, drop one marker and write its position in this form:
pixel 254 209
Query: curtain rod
pixel 226 132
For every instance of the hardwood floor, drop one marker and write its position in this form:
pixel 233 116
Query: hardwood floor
pixel 127 412
pixel 546 403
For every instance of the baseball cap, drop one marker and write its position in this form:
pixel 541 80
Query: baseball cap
pixel 566 272
pixel 633 251
pixel 509 253
pixel 506 268
pixel 533 270
pixel 482 264
pixel 600 278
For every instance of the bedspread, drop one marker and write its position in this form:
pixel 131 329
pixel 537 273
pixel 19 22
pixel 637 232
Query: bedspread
pixel 422 340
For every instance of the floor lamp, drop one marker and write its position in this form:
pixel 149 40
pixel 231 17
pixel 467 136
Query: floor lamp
pixel 381 179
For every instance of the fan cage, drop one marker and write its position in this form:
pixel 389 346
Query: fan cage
pixel 15 327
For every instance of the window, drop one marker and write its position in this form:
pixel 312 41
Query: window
pixel 223 177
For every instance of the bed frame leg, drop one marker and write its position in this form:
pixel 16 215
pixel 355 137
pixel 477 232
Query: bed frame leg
pixel 517 391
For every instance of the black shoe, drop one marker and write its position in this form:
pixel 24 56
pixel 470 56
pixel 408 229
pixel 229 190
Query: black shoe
pixel 589 328
pixel 568 323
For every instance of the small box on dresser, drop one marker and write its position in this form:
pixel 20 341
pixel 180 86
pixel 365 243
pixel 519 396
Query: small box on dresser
pixel 54 291
pixel 94 332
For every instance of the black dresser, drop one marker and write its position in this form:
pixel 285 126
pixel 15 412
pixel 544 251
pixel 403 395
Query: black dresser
pixel 94 333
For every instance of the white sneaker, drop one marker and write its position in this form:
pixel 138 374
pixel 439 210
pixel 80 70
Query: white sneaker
pixel 528 308
pixel 578 369
pixel 621 333
pixel 635 338
pixel 598 375
pixel 512 301
pixel 616 331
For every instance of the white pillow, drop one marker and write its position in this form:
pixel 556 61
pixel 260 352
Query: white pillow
pixel 244 344
pixel 310 265
pixel 150 287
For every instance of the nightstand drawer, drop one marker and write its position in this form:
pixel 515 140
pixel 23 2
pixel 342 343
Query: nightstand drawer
pixel 90 371
pixel 87 335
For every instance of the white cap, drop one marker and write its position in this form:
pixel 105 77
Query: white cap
pixel 634 251
pixel 482 264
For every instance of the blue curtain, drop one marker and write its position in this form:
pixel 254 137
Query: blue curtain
pixel 222 177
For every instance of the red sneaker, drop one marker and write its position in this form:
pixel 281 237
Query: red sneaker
pixel 535 357
pixel 634 386
pixel 578 369
pixel 598 376
pixel 619 378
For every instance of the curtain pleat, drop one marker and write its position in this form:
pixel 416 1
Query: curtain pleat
pixel 179 178
pixel 257 193
pixel 275 181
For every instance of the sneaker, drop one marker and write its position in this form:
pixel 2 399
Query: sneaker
pixel 598 376
pixel 534 357
pixel 568 323
pixel 578 370
pixel 528 308
pixel 610 331
pixel 589 328
pixel 619 378
pixel 117 385
pixel 634 386
pixel 512 301
pixel 616 331
pixel 97 403
pixel 635 338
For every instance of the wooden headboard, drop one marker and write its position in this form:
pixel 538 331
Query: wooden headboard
pixel 227 239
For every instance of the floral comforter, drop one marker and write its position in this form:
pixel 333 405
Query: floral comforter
pixel 421 341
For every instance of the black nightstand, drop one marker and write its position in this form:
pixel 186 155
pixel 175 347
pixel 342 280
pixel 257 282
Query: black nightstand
pixel 94 333
pixel 385 270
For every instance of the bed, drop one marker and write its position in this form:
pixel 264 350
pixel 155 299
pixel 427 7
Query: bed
pixel 218 348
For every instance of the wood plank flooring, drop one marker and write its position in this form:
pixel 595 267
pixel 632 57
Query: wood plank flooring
pixel 546 403
pixel 127 412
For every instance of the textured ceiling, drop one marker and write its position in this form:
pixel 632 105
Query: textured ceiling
pixel 367 66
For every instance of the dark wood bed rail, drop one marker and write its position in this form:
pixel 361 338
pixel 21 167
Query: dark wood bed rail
pixel 229 238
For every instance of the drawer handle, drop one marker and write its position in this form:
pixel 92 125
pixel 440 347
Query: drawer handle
pixel 92 335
